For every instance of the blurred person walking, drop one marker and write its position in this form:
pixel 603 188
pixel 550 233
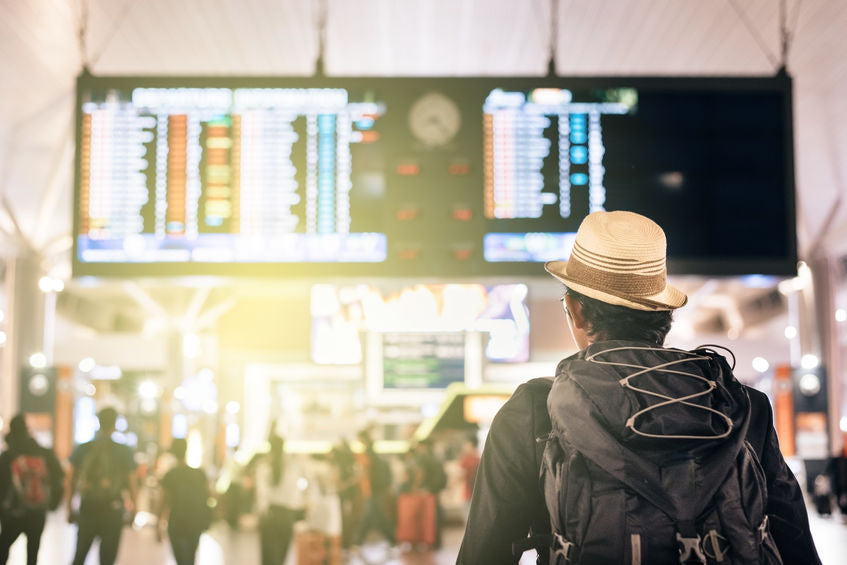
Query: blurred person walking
pixel 30 485
pixel 280 500
pixel 184 505
pixel 103 474
pixel 375 485
pixel 469 461
pixel 836 470
pixel 344 460
pixel 432 479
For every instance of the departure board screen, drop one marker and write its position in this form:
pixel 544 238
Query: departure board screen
pixel 425 176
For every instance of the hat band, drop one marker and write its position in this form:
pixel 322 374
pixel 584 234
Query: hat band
pixel 626 284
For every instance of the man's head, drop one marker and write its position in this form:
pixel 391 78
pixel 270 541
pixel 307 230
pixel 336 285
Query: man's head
pixel 179 447
pixel 616 280
pixel 17 426
pixel 277 443
pixel 18 436
pixel 107 417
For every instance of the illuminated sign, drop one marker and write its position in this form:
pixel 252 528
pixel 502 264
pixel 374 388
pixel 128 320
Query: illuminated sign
pixel 425 176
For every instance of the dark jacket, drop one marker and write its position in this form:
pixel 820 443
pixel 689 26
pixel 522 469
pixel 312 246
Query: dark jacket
pixel 508 501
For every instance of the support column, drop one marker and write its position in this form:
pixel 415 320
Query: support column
pixel 24 327
pixel 823 276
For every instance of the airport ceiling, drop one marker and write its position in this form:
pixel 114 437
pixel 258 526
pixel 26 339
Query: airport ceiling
pixel 41 55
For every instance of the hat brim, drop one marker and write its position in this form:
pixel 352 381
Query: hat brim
pixel 670 298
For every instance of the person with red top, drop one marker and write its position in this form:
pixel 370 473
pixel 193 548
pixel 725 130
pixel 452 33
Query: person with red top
pixel 469 461
pixel 30 485
pixel 375 483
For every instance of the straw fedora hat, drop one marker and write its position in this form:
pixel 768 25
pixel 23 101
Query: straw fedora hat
pixel 619 258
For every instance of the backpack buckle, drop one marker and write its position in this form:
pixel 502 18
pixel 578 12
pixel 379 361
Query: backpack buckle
pixel 560 548
pixel 763 529
pixel 718 545
pixel 689 550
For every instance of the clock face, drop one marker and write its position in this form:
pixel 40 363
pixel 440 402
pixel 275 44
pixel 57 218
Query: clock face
pixel 434 119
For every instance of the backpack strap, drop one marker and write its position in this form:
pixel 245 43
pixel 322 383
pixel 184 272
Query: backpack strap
pixel 562 551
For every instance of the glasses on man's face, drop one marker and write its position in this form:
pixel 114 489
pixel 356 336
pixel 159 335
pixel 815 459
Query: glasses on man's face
pixel 565 307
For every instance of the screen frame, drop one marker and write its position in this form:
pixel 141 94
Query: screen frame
pixel 780 84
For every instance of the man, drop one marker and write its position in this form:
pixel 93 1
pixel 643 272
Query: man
pixel 103 475
pixel 30 485
pixel 617 410
pixel 280 500
pixel 433 479
pixel 375 484
pixel 469 461
pixel 184 505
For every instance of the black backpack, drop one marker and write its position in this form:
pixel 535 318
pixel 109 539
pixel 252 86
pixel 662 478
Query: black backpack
pixel 102 475
pixel 676 483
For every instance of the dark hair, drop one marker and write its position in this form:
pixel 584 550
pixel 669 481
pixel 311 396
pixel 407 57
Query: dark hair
pixel 18 438
pixel 609 321
pixel 178 447
pixel 107 417
pixel 17 426
pixel 365 438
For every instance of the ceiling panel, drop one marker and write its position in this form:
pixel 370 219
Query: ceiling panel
pixel 41 57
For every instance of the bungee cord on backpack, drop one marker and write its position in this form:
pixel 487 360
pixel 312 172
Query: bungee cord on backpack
pixel 667 400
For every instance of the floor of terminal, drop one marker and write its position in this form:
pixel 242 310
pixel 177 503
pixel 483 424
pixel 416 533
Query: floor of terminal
pixel 220 546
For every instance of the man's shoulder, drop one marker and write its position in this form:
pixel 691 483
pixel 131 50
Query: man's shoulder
pixel 117 450
pixel 757 397
pixel 181 475
pixel 526 409
pixel 760 403
pixel 534 389
pixel 79 452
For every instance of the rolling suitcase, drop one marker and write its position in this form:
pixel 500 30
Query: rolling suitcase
pixel 416 515
pixel 317 548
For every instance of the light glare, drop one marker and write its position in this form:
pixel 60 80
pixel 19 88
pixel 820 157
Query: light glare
pixel 810 384
pixel 809 361
pixel 760 364
pixel 148 389
pixel 38 360
pixel 87 364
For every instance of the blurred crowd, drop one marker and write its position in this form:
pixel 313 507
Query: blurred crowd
pixel 325 505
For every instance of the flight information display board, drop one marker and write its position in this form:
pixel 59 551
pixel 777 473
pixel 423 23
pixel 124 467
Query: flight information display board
pixel 425 176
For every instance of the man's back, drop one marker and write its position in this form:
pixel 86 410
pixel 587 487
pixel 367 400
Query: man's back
pixel 187 491
pixel 508 500
pixel 101 468
pixel 30 479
